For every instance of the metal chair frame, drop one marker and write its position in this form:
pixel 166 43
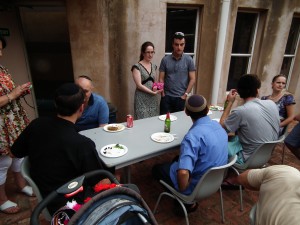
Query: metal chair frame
pixel 25 171
pixel 209 184
pixel 258 159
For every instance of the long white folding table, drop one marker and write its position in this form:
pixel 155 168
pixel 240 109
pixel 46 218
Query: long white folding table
pixel 138 139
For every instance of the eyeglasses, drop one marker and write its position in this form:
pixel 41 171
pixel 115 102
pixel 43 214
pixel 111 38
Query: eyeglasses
pixel 179 34
pixel 150 52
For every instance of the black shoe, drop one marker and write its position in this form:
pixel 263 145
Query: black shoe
pixel 228 186
pixel 189 208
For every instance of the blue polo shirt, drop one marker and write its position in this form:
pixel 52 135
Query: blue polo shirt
pixel 96 113
pixel 203 147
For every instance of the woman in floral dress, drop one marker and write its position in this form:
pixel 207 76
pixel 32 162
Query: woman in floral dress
pixel 13 120
pixel 146 99
pixel 284 101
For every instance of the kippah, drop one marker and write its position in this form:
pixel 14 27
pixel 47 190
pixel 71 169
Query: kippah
pixel 195 103
pixel 68 89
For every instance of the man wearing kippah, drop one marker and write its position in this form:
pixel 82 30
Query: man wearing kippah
pixel 177 72
pixel 57 153
pixel 203 147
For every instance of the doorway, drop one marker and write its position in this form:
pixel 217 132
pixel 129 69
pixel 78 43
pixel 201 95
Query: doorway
pixel 46 38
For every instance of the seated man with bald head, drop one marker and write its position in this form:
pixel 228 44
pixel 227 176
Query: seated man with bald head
pixel 96 112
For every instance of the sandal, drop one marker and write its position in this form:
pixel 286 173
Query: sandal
pixel 27 190
pixel 9 207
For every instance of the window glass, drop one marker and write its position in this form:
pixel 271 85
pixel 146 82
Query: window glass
pixel 242 47
pixel 183 20
pixel 244 28
pixel 290 50
pixel 286 65
pixel 293 37
pixel 238 67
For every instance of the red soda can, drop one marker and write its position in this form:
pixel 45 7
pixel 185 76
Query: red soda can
pixel 129 121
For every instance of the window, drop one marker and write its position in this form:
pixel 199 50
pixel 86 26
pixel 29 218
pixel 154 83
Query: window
pixel 291 49
pixel 242 48
pixel 184 20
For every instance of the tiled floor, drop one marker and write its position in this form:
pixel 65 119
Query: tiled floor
pixel 208 213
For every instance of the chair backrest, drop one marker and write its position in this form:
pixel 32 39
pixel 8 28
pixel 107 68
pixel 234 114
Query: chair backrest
pixel 25 171
pixel 262 154
pixel 211 181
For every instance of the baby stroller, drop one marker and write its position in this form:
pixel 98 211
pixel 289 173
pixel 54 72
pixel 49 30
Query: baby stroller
pixel 117 206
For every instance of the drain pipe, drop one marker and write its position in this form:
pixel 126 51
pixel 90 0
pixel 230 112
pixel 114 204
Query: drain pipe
pixel 220 50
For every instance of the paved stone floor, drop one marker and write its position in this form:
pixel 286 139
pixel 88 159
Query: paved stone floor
pixel 208 212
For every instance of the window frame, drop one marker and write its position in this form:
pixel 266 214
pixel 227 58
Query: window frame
pixel 252 44
pixel 293 56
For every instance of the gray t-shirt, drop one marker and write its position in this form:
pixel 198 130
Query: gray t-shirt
pixel 256 122
pixel 176 74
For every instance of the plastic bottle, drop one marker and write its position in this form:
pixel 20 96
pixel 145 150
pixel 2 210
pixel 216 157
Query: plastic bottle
pixel 167 123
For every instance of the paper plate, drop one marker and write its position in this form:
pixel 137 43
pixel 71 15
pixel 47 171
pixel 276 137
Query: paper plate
pixel 114 127
pixel 163 117
pixel 113 150
pixel 217 119
pixel 216 108
pixel 162 137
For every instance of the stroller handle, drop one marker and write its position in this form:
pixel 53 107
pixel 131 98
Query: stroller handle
pixel 69 187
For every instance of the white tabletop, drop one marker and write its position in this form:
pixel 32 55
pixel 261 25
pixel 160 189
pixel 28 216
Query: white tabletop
pixel 138 138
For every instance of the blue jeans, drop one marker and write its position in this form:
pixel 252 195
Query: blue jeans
pixel 171 104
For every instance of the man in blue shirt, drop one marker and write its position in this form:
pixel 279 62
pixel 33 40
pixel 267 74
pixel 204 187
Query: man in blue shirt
pixel 96 112
pixel 177 72
pixel 203 147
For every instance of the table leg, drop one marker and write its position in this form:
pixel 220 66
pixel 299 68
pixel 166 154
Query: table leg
pixel 127 174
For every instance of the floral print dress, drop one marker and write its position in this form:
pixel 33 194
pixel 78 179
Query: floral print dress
pixel 13 118
pixel 285 100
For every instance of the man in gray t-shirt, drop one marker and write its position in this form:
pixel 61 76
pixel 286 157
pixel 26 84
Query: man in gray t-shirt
pixel 255 122
pixel 177 72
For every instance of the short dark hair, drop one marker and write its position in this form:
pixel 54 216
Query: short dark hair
pixel 197 115
pixel 248 85
pixel 68 99
pixel 2 39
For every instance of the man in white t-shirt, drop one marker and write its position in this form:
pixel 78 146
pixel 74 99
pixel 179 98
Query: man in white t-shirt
pixel 279 194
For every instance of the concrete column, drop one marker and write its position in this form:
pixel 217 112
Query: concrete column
pixel 220 50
